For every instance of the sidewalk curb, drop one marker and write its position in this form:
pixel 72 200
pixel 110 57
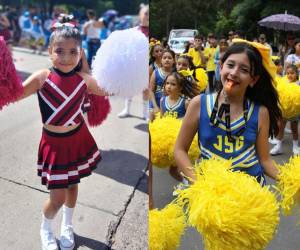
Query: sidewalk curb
pixel 29 51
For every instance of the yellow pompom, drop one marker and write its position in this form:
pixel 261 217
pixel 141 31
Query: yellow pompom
pixel 164 132
pixel 166 227
pixel 289 98
pixel 289 184
pixel 201 78
pixel 229 209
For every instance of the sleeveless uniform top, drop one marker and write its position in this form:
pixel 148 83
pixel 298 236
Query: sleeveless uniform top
pixel 177 109
pixel 213 141
pixel 61 97
pixel 159 81
pixel 154 66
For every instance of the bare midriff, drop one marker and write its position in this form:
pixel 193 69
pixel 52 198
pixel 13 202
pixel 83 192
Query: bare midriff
pixel 60 129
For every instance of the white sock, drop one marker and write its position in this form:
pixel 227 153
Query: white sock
pixel 295 144
pixel 67 215
pixel 46 223
pixel 128 104
pixel 145 109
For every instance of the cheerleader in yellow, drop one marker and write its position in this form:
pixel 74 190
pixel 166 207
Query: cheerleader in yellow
pixel 235 123
pixel 292 78
pixel 196 75
pixel 155 56
pixel 157 80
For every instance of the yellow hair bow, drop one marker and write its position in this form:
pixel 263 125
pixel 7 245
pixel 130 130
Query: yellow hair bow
pixel 274 58
pixel 153 43
pixel 186 72
pixel 265 54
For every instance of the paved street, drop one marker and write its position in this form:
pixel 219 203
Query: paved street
pixel 112 206
pixel 287 237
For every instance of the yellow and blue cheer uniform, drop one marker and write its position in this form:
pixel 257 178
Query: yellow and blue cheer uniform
pixel 214 142
pixel 178 109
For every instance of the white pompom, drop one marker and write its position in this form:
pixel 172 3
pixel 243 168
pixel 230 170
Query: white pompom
pixel 121 63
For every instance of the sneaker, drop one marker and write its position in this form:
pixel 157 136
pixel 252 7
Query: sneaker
pixel 273 141
pixel 296 151
pixel 276 150
pixel 124 113
pixel 48 240
pixel 66 241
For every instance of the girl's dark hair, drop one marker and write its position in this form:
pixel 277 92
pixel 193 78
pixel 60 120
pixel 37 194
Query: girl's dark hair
pixel 189 87
pixel 263 92
pixel 189 59
pixel 172 54
pixel 151 57
pixel 294 68
pixel 66 33
pixel 191 64
pixel 169 51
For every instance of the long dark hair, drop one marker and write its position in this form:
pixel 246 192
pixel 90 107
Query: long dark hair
pixel 263 92
pixel 189 88
pixel 151 57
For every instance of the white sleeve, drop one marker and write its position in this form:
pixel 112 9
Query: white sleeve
pixel 289 59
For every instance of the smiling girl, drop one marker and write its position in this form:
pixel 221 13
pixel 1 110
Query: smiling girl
pixel 235 123
pixel 67 151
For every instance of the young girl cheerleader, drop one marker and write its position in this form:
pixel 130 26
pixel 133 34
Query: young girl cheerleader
pixel 67 151
pixel 157 79
pixel 235 123
pixel 155 57
pixel 177 89
pixel 292 77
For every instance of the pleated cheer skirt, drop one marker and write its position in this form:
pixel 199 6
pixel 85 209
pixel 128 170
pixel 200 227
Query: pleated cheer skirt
pixel 65 158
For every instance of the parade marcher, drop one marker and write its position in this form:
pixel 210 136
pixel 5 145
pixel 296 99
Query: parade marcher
pixel 144 28
pixel 286 48
pixel 157 79
pixel 177 91
pixel 235 123
pixel 91 29
pixel 196 52
pixel 223 46
pixel 263 40
pixel 67 151
pixel 292 78
pixel 4 27
pixel 294 56
pixel 155 57
pixel 37 35
pixel 230 37
pixel 209 53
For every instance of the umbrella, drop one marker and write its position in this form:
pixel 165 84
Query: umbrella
pixel 281 22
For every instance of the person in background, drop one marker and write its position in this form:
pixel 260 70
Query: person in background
pixel 209 53
pixel 223 46
pixel 263 40
pixel 230 37
pixel 144 28
pixel 197 52
pixel 4 27
pixel 294 56
pixel 286 48
pixel 91 29
pixel 292 78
